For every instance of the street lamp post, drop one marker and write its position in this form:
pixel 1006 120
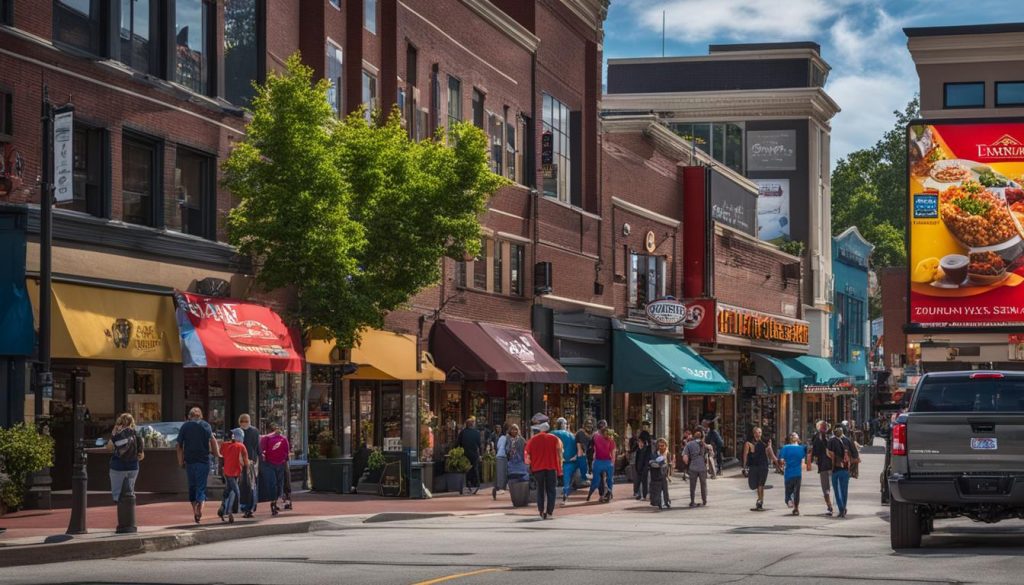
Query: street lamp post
pixel 79 475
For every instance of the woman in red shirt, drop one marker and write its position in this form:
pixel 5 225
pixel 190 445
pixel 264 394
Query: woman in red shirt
pixel 236 459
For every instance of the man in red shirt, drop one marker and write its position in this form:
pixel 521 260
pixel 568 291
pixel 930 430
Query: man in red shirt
pixel 544 456
pixel 236 459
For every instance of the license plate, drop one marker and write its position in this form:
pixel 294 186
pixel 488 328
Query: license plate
pixel 985 444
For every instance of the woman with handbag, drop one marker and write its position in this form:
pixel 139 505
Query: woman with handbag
pixel 128 451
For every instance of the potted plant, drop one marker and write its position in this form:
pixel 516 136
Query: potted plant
pixel 325 464
pixel 23 451
pixel 488 466
pixel 456 464
pixel 375 464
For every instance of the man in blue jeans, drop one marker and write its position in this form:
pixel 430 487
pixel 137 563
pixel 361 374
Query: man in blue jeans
pixel 195 444
pixel 572 459
pixel 843 454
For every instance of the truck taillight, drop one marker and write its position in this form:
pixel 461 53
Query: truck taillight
pixel 899 439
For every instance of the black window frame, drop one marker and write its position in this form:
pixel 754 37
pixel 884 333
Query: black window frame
pixel 945 95
pixel 6 114
pixel 7 12
pixel 155 37
pixel 1007 105
pixel 452 120
pixel 479 114
pixel 207 212
pixel 156 174
pixel 99 22
pixel 516 269
pixel 98 163
pixel 260 25
pixel 209 41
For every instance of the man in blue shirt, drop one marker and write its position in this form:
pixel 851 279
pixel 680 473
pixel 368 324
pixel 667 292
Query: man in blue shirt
pixel 792 456
pixel 572 459
pixel 195 444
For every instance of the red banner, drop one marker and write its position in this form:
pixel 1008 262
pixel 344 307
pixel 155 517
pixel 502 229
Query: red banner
pixel 233 334
pixel 699 325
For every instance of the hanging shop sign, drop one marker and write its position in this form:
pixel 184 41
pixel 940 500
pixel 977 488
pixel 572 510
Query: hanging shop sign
pixel 833 390
pixel 762 328
pixel 63 155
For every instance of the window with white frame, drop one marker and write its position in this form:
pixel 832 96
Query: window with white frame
pixel 334 77
pixel 369 94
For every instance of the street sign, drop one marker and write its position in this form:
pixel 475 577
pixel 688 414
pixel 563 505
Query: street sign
pixel 63 155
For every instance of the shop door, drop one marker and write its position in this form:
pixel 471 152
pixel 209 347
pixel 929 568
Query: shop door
pixel 391 416
pixel 362 413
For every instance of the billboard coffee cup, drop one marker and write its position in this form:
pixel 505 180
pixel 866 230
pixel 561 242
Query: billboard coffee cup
pixel 954 268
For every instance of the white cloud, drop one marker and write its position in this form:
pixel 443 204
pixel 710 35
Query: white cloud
pixel 868 102
pixel 749 20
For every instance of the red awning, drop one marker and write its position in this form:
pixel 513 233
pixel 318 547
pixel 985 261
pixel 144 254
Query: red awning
pixel 481 351
pixel 233 334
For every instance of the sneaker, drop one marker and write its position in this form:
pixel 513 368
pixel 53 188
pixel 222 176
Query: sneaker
pixel 231 518
pixel 693 504
pixel 828 512
pixel 288 505
pixel 789 503
pixel 760 505
pixel 274 511
pixel 796 512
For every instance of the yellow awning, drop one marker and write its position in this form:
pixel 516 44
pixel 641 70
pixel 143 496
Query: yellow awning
pixel 105 324
pixel 381 355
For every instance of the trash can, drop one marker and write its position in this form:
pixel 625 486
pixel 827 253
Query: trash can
pixel 416 489
pixel 519 489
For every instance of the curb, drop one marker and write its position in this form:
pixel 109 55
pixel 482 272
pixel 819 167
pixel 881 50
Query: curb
pixel 106 548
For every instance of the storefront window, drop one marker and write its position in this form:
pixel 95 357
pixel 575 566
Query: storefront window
pixel 514 405
pixel 428 424
pixel 479 407
pixel 273 407
pixel 363 395
pixel 320 402
pixel 144 393
pixel 451 415
pixel 593 404
pixel 391 416
pixel 99 401
pixel 295 418
pixel 562 400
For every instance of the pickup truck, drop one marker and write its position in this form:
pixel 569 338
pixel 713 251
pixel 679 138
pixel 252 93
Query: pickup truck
pixel 957 451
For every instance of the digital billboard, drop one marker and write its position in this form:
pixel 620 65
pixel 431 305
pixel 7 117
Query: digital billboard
pixel 966 224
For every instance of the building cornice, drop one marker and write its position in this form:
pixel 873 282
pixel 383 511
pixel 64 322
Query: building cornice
pixel 591 12
pixel 738 105
pixel 504 23
pixel 770 54
pixel 644 212
pixel 724 230
pixel 980 48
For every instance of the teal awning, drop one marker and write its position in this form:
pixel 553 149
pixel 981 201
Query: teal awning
pixel 596 376
pixel 781 377
pixel 17 329
pixel 824 374
pixel 647 363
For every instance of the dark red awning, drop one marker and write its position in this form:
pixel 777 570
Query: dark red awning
pixel 482 351
pixel 233 334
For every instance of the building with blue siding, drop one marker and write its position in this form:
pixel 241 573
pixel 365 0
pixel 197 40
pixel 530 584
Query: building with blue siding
pixel 850 325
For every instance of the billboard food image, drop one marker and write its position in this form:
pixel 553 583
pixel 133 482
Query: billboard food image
pixel 966 255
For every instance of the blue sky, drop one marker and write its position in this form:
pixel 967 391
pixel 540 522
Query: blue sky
pixel 872 73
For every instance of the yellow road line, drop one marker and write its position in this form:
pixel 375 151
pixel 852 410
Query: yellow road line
pixel 461 575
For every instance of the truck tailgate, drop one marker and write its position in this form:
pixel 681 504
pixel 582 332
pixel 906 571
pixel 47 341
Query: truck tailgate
pixel 965 442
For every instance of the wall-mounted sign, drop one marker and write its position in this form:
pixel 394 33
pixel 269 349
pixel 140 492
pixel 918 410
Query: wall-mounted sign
pixel 773 219
pixel 828 390
pixel 771 150
pixel 699 325
pixel 547 154
pixel 732 203
pixel 665 313
pixel 761 327
pixel 649 243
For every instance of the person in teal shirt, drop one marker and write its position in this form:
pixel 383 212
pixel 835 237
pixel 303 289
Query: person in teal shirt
pixel 571 458
pixel 793 455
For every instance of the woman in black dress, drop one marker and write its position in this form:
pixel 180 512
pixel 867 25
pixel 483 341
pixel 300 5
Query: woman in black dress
pixel 756 456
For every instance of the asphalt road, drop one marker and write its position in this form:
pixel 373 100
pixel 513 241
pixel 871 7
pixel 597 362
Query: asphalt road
pixel 723 543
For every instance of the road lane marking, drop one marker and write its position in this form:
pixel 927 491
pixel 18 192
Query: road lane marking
pixel 461 575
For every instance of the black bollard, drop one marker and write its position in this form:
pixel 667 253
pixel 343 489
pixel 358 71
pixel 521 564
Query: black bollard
pixel 126 509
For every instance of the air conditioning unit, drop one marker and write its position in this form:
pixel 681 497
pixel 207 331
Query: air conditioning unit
pixel 791 271
pixel 542 283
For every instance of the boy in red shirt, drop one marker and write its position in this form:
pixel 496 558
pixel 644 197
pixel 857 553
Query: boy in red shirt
pixel 544 456
pixel 236 459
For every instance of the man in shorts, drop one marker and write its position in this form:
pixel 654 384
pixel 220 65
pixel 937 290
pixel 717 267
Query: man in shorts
pixel 819 452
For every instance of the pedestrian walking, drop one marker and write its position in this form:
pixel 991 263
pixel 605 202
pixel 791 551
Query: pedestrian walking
pixel 757 455
pixel 544 456
pixel 195 445
pixel 709 458
pixel 236 461
pixel 844 455
pixel 249 480
pixel 641 463
pixel 515 449
pixel 275 451
pixel 500 463
pixel 585 445
pixel 571 456
pixel 604 468
pixel 819 453
pixel 470 440
pixel 127 451
pixel 660 466
pixel 696 455
pixel 715 439
pixel 793 456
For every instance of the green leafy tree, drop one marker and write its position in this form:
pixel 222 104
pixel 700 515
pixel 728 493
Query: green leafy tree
pixel 869 191
pixel 354 217
pixel 23 451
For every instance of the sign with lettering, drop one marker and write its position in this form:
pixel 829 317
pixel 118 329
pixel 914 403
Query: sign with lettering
pixel 732 203
pixel 771 150
pixel 63 155
pixel 763 328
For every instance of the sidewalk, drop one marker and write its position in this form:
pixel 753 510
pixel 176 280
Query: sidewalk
pixel 164 523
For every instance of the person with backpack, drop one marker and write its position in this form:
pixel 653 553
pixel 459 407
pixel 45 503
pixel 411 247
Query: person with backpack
pixel 604 457
pixel 236 461
pixel 695 455
pixel 843 455
pixel 716 440
pixel 585 444
pixel 127 451
pixel 660 466
pixel 819 452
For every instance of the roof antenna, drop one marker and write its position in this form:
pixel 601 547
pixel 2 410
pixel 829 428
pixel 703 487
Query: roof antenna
pixel 662 33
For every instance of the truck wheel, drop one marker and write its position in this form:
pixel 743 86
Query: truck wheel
pixel 904 526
